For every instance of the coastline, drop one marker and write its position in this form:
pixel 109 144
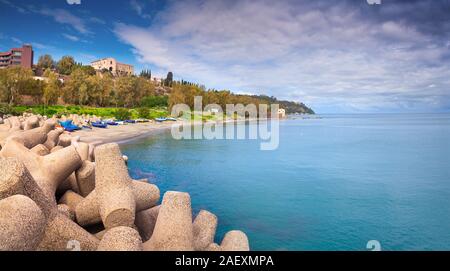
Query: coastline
pixel 125 133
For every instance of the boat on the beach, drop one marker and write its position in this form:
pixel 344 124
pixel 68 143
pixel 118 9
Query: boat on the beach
pixel 129 121
pixel 113 123
pixel 69 126
pixel 171 119
pixel 142 120
pixel 99 124
pixel 160 119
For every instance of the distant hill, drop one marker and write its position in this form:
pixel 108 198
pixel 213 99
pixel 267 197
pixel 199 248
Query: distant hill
pixel 290 106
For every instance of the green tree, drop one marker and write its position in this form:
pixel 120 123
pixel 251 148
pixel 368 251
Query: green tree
pixel 51 88
pixel 14 82
pixel 146 74
pixel 124 86
pixel 169 79
pixel 76 87
pixel 46 62
pixel 66 65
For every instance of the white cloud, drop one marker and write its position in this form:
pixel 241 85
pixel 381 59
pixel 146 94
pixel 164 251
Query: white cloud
pixel 16 7
pixel 70 37
pixel 74 2
pixel 64 17
pixel 319 56
pixel 138 7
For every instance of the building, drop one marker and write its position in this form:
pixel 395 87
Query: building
pixel 17 57
pixel 115 67
pixel 281 113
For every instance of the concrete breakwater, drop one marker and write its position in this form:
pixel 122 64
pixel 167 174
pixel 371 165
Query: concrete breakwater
pixel 57 193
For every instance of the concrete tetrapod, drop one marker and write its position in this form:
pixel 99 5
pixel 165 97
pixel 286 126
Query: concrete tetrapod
pixel 88 211
pixel 85 177
pixel 71 199
pixel 235 241
pixel 16 179
pixel 31 123
pixel 204 227
pixel 22 224
pixel 120 239
pixel 40 150
pixel 48 171
pixel 53 138
pixel 33 137
pixel 145 222
pixel 114 187
pixel 173 229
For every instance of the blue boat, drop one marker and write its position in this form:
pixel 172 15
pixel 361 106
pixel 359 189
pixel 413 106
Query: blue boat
pixel 160 119
pixel 99 124
pixel 69 126
pixel 171 119
pixel 112 123
pixel 130 121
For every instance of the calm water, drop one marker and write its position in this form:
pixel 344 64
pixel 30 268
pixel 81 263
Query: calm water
pixel 333 184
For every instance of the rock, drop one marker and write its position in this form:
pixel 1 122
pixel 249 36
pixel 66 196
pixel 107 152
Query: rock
pixel 22 224
pixel 120 239
pixel 114 187
pixel 173 229
pixel 145 222
pixel 235 241
pixel 204 227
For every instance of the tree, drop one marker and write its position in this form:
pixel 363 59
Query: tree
pixel 169 79
pixel 76 87
pixel 146 74
pixel 13 82
pixel 66 65
pixel 124 87
pixel 46 62
pixel 51 88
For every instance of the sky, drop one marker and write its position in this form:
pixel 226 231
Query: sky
pixel 348 56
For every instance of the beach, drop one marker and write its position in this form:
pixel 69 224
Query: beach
pixel 122 133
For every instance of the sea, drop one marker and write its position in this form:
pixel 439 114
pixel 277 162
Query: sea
pixel 335 182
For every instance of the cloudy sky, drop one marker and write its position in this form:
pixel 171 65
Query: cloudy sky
pixel 335 56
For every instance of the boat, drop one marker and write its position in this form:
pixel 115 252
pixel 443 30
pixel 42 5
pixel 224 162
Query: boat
pixel 130 121
pixel 160 119
pixel 171 119
pixel 113 123
pixel 69 126
pixel 99 124
pixel 142 120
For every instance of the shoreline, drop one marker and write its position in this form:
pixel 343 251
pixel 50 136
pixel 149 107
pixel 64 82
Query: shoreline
pixel 126 133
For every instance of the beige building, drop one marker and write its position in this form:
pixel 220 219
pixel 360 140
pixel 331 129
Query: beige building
pixel 115 67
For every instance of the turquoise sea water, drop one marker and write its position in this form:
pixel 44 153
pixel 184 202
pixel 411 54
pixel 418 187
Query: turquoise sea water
pixel 333 184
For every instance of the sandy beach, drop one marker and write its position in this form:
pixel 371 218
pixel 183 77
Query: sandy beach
pixel 122 133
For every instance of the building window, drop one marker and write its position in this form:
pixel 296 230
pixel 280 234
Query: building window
pixel 16 53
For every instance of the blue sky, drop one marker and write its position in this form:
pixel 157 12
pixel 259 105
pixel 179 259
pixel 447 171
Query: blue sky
pixel 336 56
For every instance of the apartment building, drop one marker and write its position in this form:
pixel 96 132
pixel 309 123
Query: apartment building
pixel 112 65
pixel 17 57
